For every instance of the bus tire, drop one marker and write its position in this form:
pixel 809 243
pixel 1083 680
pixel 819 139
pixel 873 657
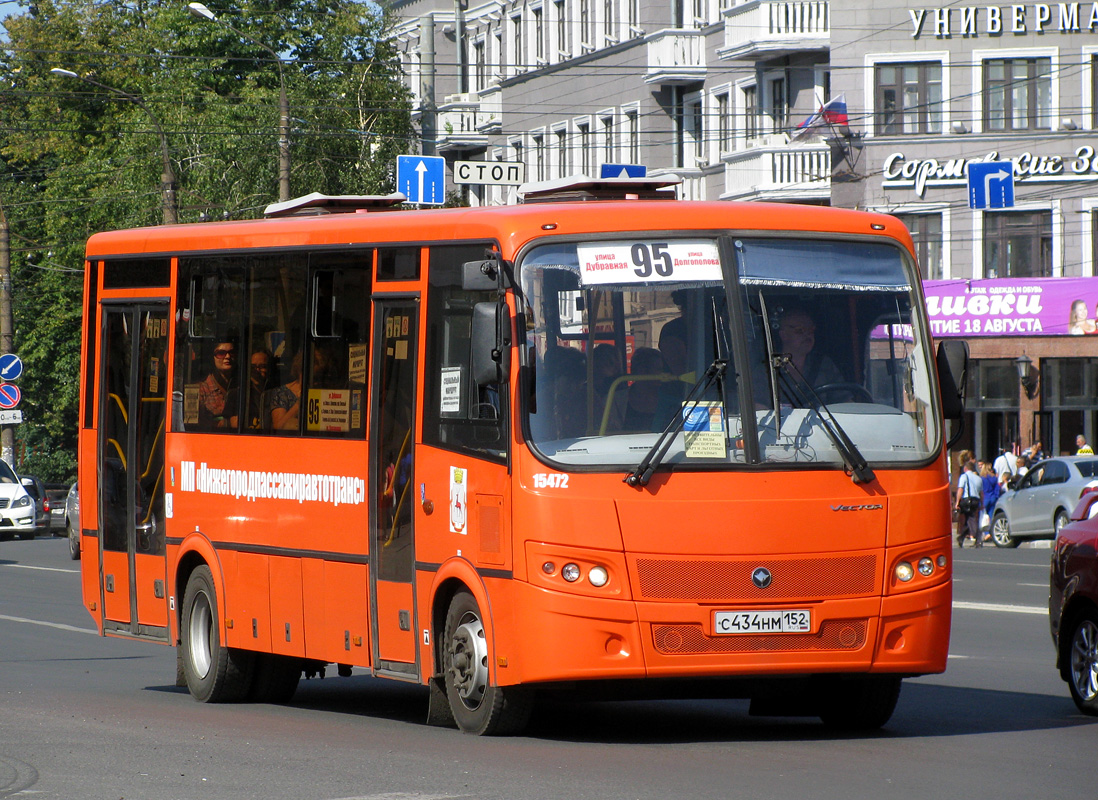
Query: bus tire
pixel 214 673
pixel 862 703
pixel 275 678
pixel 477 705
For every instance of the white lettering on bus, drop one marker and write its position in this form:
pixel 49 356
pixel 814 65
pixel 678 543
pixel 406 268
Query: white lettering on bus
pixel 256 485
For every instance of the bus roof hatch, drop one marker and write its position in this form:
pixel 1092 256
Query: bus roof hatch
pixel 317 203
pixel 581 187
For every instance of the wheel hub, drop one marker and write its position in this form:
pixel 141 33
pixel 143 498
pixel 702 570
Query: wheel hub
pixel 469 662
pixel 1084 660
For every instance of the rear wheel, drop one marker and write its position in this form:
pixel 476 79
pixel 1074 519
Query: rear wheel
pixel 1000 532
pixel 1060 521
pixel 478 707
pixel 859 704
pixel 214 673
pixel 1083 663
pixel 74 543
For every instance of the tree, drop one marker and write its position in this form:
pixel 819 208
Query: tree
pixel 76 157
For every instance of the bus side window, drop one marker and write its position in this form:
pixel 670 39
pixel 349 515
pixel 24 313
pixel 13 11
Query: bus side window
pixel 335 372
pixel 458 414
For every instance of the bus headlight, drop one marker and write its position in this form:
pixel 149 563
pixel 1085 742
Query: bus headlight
pixel 926 567
pixel 904 571
pixel 598 576
pixel 570 572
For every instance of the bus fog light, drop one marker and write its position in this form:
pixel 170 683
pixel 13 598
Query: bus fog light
pixel 570 572
pixel 942 561
pixel 548 567
pixel 926 566
pixel 598 576
pixel 904 572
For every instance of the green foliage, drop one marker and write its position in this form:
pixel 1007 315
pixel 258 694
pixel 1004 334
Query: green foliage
pixel 77 157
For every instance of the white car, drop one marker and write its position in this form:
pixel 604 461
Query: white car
pixel 17 508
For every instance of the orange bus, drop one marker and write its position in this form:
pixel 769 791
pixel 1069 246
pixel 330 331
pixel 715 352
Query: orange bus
pixel 603 440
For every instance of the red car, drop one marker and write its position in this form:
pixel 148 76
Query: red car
pixel 1073 603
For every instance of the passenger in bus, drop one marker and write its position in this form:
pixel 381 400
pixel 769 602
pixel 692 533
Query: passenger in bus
pixel 607 368
pixel 644 394
pixel 259 373
pixel 285 401
pixel 566 372
pixel 213 392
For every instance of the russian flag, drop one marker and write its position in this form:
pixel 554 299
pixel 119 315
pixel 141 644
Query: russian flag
pixel 833 112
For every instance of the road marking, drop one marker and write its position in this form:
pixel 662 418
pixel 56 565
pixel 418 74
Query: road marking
pixel 1038 585
pixel 1012 609
pixel 46 569
pixel 57 625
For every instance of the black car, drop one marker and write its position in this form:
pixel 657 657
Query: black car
pixel 1073 603
pixel 37 490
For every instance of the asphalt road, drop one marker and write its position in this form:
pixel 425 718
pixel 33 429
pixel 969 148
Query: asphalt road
pixel 86 717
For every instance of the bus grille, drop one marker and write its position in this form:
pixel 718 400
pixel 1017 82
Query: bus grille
pixel 834 634
pixel 815 578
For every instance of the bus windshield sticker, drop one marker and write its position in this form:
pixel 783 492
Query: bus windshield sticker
pixel 457 500
pixel 356 363
pixel 190 404
pixel 648 262
pixel 703 431
pixel 450 403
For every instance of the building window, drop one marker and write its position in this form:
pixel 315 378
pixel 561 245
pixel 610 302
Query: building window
pixel 634 16
pixel 583 143
pixel 1018 244
pixel 1017 94
pixel 562 152
pixel 606 130
pixel 750 111
pixel 520 55
pixel 609 20
pixel 926 231
pixel 632 136
pixel 563 49
pixel 724 122
pixel 693 132
pixel 587 25
pixel 480 65
pixel 540 171
pixel 778 110
pixel 909 98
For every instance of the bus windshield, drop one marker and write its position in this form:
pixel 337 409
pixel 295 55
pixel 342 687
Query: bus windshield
pixel 820 352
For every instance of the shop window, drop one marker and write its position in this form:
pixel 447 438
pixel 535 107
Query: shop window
pixel 908 98
pixel 1017 94
pixel 926 232
pixel 996 384
pixel 1018 244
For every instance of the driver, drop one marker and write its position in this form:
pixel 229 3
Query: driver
pixel 796 335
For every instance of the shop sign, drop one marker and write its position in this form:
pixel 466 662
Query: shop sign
pixel 1012 307
pixel 974 21
pixel 919 173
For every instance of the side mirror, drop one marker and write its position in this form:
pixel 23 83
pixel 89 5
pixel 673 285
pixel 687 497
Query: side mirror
pixel 479 276
pixel 952 364
pixel 490 340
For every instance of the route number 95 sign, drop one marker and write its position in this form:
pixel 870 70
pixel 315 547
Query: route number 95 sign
pixel 648 261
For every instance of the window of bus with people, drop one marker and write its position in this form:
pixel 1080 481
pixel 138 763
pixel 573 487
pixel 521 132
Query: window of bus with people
pixel 600 439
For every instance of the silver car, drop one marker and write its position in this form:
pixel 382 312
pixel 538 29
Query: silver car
pixel 1042 500
pixel 72 521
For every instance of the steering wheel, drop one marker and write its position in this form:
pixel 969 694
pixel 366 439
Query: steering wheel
pixel 855 392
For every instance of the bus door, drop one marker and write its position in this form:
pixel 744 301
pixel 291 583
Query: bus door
pixel 393 487
pixel 131 469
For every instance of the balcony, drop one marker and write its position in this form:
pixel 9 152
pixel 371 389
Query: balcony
pixel 775 170
pixel 775 28
pixel 675 57
pixel 466 120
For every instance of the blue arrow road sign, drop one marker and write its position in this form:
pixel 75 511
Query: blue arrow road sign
pixel 623 171
pixel 422 179
pixel 9 395
pixel 11 367
pixel 991 184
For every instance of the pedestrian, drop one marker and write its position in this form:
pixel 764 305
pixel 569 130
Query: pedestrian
pixel 969 503
pixel 992 490
pixel 1005 466
pixel 1084 449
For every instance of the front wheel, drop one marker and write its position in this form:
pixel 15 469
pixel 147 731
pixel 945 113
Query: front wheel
pixel 1060 521
pixel 1083 663
pixel 477 705
pixel 74 544
pixel 214 673
pixel 859 704
pixel 1000 532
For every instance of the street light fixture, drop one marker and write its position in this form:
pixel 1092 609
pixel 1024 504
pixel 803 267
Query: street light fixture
pixel 1029 382
pixel 200 11
pixel 167 177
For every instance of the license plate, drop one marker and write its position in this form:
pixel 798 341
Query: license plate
pixel 798 620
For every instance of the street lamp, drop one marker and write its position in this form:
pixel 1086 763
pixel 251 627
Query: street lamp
pixel 200 11
pixel 1029 382
pixel 167 177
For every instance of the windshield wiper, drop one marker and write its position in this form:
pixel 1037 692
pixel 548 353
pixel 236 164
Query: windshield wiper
pixel 643 473
pixel 771 365
pixel 802 392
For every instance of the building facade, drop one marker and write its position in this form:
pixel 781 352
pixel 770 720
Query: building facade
pixel 718 92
